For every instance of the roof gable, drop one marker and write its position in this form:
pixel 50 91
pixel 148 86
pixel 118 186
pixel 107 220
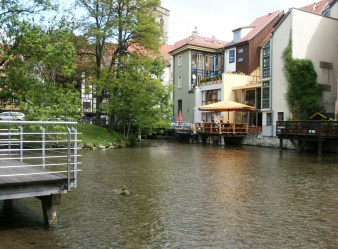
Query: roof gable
pixel 199 41
pixel 316 7
pixel 257 26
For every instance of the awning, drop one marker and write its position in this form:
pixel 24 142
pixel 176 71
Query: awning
pixel 226 106
pixel 246 87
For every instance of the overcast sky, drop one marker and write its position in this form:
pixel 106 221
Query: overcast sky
pixel 219 17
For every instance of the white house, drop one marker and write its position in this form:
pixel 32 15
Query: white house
pixel 313 37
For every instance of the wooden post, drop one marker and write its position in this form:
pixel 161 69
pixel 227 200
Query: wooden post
pixel 211 139
pixel 48 208
pixel 200 138
pixel 8 205
pixel 320 146
pixel 280 145
pixel 221 138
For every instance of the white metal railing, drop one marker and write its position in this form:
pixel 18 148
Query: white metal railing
pixel 185 127
pixel 47 152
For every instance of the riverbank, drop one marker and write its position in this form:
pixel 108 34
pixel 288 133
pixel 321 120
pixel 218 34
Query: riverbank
pixel 93 136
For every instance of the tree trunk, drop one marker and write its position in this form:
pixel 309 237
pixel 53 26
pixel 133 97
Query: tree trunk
pixel 129 126
pixel 111 124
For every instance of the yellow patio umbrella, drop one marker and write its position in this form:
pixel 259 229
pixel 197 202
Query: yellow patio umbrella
pixel 228 106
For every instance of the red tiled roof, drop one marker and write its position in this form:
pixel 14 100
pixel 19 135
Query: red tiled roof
pixel 316 7
pixel 165 49
pixel 266 38
pixel 201 42
pixel 259 24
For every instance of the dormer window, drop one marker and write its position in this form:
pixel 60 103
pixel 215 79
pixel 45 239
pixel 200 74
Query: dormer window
pixel 237 35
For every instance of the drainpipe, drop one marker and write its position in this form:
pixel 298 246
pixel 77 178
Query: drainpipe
pixel 271 59
pixel 336 109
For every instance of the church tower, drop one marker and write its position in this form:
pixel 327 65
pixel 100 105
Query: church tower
pixel 163 18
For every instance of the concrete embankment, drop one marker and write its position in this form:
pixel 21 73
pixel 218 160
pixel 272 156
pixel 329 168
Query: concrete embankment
pixel 256 139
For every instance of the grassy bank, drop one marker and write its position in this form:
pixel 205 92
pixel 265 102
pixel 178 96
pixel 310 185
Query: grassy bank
pixel 94 136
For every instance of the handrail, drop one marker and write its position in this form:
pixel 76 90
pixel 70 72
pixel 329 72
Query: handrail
pixel 39 150
pixel 222 128
pixel 39 122
pixel 315 128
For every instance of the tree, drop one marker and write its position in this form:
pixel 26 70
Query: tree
pixel 114 28
pixel 141 100
pixel 16 13
pixel 35 58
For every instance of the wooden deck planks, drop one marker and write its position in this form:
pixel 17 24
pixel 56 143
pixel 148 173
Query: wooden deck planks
pixel 27 174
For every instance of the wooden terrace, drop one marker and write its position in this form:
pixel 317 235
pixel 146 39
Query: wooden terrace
pixel 37 164
pixel 222 128
pixel 300 133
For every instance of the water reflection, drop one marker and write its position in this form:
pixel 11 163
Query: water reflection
pixel 195 196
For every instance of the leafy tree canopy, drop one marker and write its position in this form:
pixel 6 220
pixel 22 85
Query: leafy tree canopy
pixel 124 39
pixel 38 61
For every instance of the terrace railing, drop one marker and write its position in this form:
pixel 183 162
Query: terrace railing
pixel 31 148
pixel 314 128
pixel 222 128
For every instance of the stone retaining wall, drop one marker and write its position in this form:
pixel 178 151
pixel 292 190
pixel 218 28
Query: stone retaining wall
pixel 257 139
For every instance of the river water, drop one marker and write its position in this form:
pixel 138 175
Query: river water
pixel 188 196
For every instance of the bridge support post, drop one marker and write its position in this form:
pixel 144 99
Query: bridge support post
pixel 221 139
pixel 48 208
pixel 280 145
pixel 320 147
pixel 8 204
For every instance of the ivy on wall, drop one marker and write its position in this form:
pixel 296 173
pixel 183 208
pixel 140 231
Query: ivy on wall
pixel 303 95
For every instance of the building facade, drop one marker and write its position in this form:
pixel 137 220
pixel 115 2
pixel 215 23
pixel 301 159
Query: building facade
pixel 313 37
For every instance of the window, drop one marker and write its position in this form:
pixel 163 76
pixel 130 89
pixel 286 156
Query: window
pixel 180 60
pixel 219 63
pixel 237 36
pixel 199 80
pixel 193 61
pixel 179 84
pixel 250 97
pixel 86 105
pixel 240 59
pixel 266 60
pixel 266 94
pixel 208 63
pixel 200 61
pixel 266 73
pixel 212 96
pixel 240 51
pixel 280 116
pixel 232 56
pixel 269 119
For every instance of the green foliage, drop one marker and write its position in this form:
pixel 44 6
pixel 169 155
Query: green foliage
pixel 303 94
pixel 37 68
pixel 93 135
pixel 141 99
pixel 128 33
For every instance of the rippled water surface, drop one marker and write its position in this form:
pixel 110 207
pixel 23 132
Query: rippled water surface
pixel 189 196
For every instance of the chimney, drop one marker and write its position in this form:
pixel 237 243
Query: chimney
pixel 195 33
